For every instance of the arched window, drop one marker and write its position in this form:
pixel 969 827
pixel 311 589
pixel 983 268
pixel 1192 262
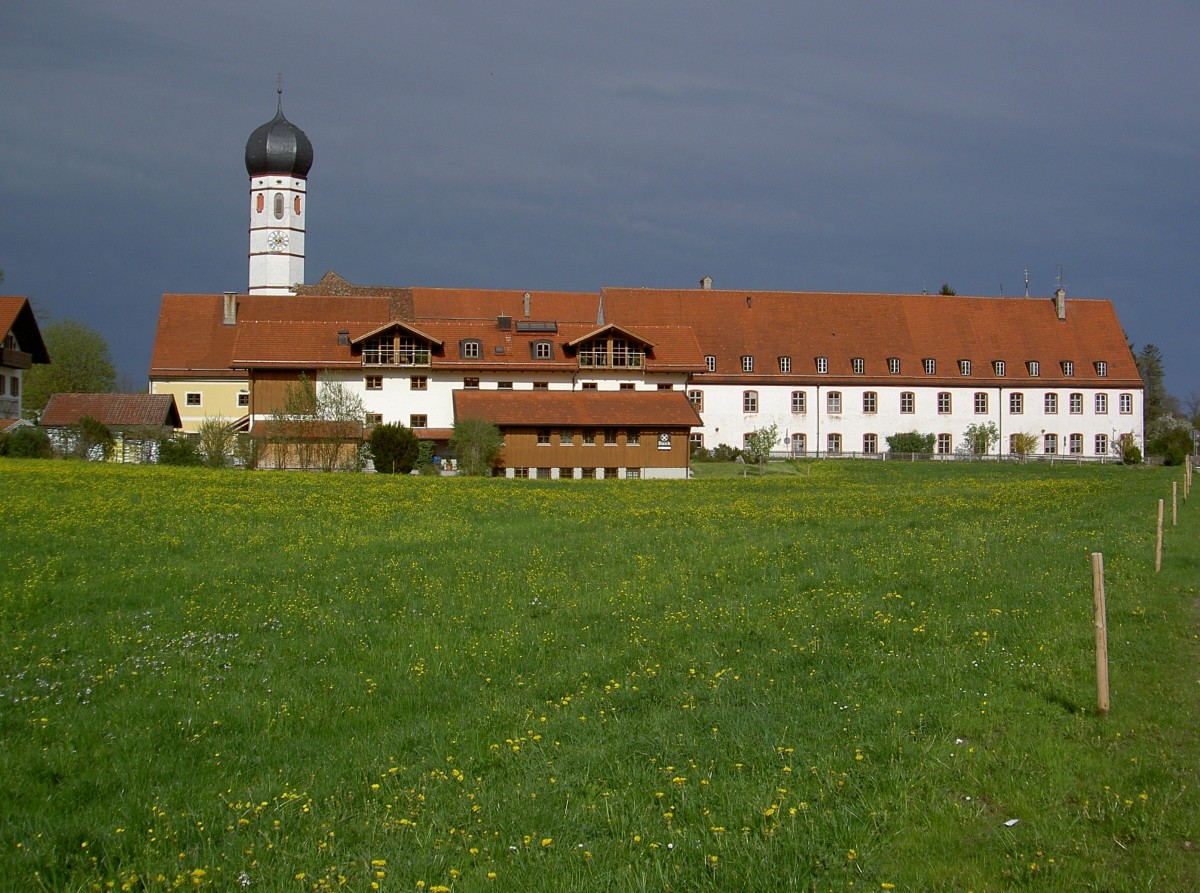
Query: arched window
pixel 259 202
pixel 296 205
pixel 278 205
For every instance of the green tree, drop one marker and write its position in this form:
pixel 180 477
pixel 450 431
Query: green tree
pixel 759 443
pixel 947 290
pixel 1156 400
pixel 477 443
pixel 911 442
pixel 339 413
pixel 394 448
pixel 178 451
pixel 80 363
pixel 93 439
pixel 979 439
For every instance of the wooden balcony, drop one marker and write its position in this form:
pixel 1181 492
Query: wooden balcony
pixel 402 357
pixel 15 359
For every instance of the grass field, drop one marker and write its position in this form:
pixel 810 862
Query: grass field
pixel 858 675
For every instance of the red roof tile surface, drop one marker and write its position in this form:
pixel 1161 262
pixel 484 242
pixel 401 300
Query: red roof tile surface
pixel 114 410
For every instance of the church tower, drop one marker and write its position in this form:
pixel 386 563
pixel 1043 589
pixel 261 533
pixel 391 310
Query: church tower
pixel 278 158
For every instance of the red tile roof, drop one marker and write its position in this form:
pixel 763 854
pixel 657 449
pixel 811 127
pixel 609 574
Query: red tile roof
pixel 527 409
pixel 16 316
pixel 114 410
pixel 911 328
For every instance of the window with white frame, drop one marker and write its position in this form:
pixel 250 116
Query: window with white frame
pixel 696 397
pixel 543 350
pixel 894 365
pixel 833 444
pixel 710 363
pixel 799 445
pixel 944 444
pixel 798 402
pixel 964 367
pixel 1068 367
pixel 1126 404
pixel 1075 444
pixel 870 402
pixel 696 439
pixel 930 365
pixel 981 403
pixel 908 402
pixel 470 349
pixel 858 365
pixel 1051 404
pixel 1050 444
pixel 833 402
pixel 1101 369
pixel 1077 404
pixel 243 396
pixel 1101 444
pixel 822 365
pixel 749 401
pixel 1102 404
pixel 1034 368
pixel 998 368
pixel 870 443
pixel 1016 403
pixel 944 403
pixel 785 365
pixel 747 363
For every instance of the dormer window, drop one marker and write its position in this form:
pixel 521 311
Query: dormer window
pixel 785 365
pixel 998 368
pixel 470 349
pixel 894 365
pixel 1068 368
pixel 542 350
pixel 858 365
pixel 1101 369
pixel 1034 368
pixel 606 352
pixel 394 348
pixel 747 363
pixel 930 366
pixel 964 367
pixel 822 365
pixel 710 363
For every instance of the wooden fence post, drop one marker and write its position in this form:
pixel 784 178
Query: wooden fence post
pixel 1174 503
pixel 1158 548
pixel 1102 703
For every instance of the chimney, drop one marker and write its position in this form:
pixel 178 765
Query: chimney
pixel 706 282
pixel 230 317
pixel 504 322
pixel 1060 303
pixel 527 305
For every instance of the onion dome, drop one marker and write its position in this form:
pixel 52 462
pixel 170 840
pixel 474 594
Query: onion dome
pixel 279 147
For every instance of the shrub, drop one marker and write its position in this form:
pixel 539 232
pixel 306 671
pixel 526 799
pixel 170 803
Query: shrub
pixel 1023 444
pixel 95 441
pixel 395 449
pixel 726 453
pixel 1173 445
pixel 911 442
pixel 26 443
pixel 178 451
pixel 216 438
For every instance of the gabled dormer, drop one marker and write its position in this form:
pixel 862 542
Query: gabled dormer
pixel 611 347
pixel 396 344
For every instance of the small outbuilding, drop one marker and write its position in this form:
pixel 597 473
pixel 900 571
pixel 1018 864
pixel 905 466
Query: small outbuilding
pixel 137 422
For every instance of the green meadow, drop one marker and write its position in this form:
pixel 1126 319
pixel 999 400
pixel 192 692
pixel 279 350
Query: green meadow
pixel 839 676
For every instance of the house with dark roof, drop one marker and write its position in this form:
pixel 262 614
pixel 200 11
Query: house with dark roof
pixel 21 346
pixel 137 422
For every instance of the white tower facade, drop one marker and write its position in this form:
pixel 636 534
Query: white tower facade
pixel 278 158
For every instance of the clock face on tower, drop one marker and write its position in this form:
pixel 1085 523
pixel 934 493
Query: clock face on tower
pixel 277 240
